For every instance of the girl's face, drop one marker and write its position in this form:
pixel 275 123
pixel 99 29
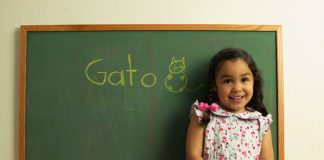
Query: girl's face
pixel 234 85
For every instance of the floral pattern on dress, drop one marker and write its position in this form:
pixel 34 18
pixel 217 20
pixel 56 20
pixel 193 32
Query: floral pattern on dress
pixel 230 136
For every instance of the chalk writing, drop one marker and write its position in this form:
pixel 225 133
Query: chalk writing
pixel 119 75
pixel 146 75
pixel 90 79
pixel 175 81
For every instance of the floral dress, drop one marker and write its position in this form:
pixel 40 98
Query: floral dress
pixel 230 136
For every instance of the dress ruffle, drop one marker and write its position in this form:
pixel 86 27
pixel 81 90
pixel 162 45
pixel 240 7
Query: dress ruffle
pixel 265 123
pixel 222 112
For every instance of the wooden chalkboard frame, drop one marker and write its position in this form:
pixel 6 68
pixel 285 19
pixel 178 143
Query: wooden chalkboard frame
pixel 151 27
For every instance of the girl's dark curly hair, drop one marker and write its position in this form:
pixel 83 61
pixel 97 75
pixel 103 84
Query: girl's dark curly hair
pixel 256 102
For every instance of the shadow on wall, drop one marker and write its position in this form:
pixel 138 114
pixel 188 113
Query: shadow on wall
pixel 16 86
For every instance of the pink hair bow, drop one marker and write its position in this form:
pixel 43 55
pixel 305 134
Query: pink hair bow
pixel 204 106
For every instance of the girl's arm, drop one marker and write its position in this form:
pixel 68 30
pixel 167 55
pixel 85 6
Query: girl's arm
pixel 195 139
pixel 266 147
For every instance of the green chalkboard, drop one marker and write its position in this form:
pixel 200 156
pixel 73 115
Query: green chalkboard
pixel 115 93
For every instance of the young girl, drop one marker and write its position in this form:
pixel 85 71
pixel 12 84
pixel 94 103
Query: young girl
pixel 233 123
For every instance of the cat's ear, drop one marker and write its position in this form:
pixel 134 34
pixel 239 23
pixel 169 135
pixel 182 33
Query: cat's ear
pixel 173 60
pixel 183 60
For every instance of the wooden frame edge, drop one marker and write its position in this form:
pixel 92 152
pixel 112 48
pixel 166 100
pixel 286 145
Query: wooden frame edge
pixel 22 96
pixel 281 134
pixel 121 27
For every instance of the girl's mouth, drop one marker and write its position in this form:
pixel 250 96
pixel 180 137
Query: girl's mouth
pixel 236 98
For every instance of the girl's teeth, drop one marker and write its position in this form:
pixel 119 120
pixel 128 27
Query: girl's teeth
pixel 236 98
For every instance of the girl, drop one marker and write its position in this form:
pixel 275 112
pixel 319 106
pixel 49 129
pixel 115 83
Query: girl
pixel 234 123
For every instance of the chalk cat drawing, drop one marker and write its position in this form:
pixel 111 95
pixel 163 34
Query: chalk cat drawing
pixel 176 80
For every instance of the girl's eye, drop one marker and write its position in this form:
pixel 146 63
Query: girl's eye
pixel 227 81
pixel 245 79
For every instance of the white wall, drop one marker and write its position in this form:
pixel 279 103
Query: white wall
pixel 303 51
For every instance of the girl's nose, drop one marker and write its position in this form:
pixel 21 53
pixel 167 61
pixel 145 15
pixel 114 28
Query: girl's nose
pixel 237 87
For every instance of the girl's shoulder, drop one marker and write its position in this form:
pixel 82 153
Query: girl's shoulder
pixel 199 108
pixel 195 110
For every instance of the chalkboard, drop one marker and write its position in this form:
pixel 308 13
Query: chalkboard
pixel 115 92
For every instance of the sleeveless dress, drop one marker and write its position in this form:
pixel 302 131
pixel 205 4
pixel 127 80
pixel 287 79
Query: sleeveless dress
pixel 230 136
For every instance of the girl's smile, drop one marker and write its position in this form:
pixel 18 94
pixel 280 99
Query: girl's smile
pixel 236 98
pixel 234 85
